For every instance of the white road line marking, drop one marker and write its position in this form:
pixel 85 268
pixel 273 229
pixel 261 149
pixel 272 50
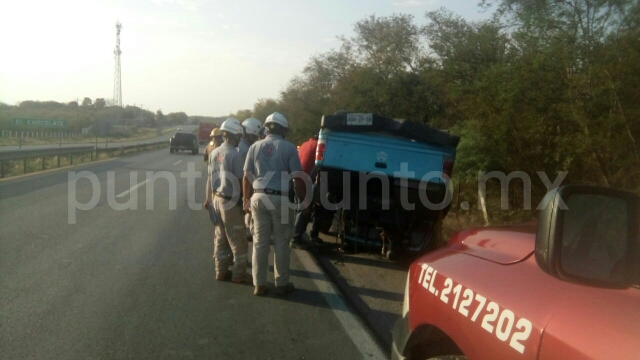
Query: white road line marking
pixel 134 187
pixel 352 326
pixel 177 162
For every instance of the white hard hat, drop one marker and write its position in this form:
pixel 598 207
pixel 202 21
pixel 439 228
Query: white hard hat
pixel 277 118
pixel 231 126
pixel 252 126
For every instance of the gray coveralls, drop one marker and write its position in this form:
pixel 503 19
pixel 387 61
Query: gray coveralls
pixel 230 232
pixel 272 216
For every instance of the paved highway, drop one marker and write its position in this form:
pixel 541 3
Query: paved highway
pixel 139 284
pixel 102 144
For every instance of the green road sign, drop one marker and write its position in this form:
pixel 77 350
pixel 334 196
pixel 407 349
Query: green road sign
pixel 60 124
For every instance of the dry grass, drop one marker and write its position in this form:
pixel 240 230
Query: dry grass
pixel 459 219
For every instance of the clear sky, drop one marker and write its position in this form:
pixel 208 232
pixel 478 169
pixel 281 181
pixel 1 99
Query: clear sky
pixel 204 57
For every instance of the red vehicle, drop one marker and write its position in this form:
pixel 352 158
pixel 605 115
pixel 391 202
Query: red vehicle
pixel 204 129
pixel 567 289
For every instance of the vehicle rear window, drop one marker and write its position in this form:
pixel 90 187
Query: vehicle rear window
pixel 184 136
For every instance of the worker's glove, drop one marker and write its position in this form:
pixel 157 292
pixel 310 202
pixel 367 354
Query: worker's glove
pixel 246 205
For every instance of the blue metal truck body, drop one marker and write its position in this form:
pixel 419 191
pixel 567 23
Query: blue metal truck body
pixel 394 156
pixel 374 166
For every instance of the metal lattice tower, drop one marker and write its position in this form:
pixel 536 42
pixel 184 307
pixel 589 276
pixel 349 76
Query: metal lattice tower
pixel 117 84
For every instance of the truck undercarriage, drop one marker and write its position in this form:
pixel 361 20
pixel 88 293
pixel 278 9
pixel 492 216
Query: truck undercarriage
pixel 379 211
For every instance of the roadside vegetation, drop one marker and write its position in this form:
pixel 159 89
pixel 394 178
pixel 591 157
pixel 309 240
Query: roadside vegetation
pixel 130 122
pixel 542 86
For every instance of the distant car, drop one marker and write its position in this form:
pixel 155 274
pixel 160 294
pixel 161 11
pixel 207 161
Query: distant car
pixel 568 289
pixel 179 129
pixel 184 141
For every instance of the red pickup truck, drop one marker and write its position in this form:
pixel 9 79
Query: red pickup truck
pixel 567 288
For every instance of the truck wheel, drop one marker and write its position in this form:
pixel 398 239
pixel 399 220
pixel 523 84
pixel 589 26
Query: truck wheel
pixel 170 150
pixel 449 357
pixel 193 152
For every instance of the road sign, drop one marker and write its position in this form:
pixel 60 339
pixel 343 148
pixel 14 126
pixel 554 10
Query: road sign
pixel 60 124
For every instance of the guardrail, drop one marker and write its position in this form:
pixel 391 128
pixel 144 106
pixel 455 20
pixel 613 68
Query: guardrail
pixel 38 158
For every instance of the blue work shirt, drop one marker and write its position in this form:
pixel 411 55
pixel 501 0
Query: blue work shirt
pixel 268 158
pixel 227 162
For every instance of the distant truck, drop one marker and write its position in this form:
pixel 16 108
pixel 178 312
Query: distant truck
pixel 204 129
pixel 371 164
pixel 183 141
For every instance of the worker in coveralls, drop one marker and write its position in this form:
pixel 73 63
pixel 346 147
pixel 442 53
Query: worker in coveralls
pixel 252 128
pixel 216 140
pixel 267 174
pixel 230 242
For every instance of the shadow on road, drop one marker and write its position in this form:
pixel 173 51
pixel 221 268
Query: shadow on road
pixel 372 260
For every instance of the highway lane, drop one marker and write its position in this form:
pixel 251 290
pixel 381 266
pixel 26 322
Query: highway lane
pixel 102 144
pixel 139 283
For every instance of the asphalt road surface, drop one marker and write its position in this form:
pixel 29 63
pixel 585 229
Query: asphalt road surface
pixel 102 144
pixel 139 284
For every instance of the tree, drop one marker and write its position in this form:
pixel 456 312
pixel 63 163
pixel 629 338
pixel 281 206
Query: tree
pixel 100 103
pixel 159 117
pixel 179 118
pixel 73 104
pixel 264 108
pixel 86 102
pixel 242 115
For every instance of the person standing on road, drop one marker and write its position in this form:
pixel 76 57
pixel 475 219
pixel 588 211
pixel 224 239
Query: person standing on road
pixel 252 128
pixel 230 231
pixel 267 173
pixel 216 140
pixel 307 154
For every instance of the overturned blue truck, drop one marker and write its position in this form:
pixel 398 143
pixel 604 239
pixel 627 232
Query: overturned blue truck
pixel 388 181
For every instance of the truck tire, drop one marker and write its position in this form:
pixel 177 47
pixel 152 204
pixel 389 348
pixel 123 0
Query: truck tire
pixel 449 357
pixel 171 150
pixel 194 151
pixel 390 255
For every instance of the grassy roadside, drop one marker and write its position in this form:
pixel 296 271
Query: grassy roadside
pixel 459 219
pixel 128 134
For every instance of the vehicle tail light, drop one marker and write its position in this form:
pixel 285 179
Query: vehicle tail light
pixel 447 167
pixel 320 150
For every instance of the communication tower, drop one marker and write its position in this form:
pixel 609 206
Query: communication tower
pixel 117 84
